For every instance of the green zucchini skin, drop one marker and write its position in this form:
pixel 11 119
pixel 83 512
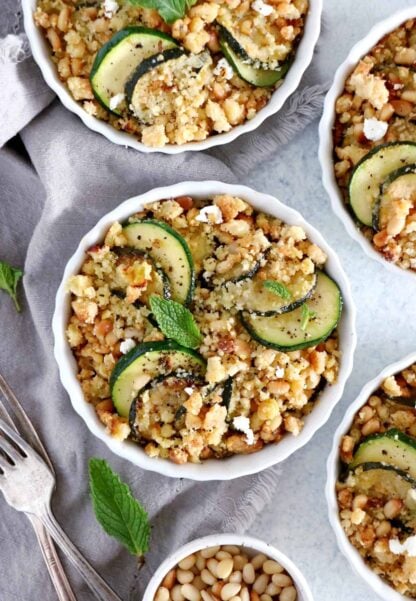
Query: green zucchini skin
pixel 161 356
pixel 176 260
pixel 261 78
pixel 382 480
pixel 115 42
pixel 364 186
pixel 407 170
pixel 299 341
pixel 402 400
pixel 148 64
pixel 392 448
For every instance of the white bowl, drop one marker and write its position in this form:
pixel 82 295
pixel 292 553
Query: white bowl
pixel 212 469
pixel 252 546
pixel 304 53
pixel 381 588
pixel 326 146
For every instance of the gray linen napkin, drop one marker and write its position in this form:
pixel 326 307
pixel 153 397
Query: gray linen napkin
pixel 73 177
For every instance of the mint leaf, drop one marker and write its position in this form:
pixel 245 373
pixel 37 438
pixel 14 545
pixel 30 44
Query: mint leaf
pixel 306 315
pixel 116 510
pixel 169 10
pixel 9 278
pixel 175 321
pixel 277 288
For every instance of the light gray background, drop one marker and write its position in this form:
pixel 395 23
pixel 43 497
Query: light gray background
pixel 385 324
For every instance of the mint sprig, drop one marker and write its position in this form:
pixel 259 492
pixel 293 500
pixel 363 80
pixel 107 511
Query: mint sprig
pixel 277 288
pixel 175 321
pixel 9 278
pixel 306 315
pixel 116 510
pixel 169 10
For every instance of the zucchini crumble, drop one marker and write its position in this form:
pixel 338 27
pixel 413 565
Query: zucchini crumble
pixel 264 309
pixel 377 484
pixel 174 83
pixel 375 145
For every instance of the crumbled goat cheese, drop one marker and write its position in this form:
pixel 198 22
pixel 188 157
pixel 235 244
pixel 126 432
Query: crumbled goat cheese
pixel 374 129
pixel 242 424
pixel 262 8
pixel 127 345
pixel 189 390
pixel 110 8
pixel 204 214
pixel 280 372
pixel 224 68
pixel 370 87
pixel 398 548
pixel 116 100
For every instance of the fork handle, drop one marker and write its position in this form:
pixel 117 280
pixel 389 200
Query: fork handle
pixel 52 561
pixel 93 580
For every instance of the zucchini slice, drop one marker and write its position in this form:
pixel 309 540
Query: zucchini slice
pixel 254 298
pixel 284 332
pixel 392 448
pixel 261 78
pixel 119 57
pixel 406 401
pixel 161 401
pixel 370 173
pixel 132 260
pixel 382 480
pixel 143 363
pixel 168 250
pixel 157 82
pixel 399 186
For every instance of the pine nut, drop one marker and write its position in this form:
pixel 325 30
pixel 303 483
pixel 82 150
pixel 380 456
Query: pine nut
pixel 208 577
pixel 217 588
pixel 254 596
pixel 249 574
pixel 199 583
pixel 169 579
pixel 265 597
pixel 206 596
pixel 236 598
pixel 244 594
pixel 162 594
pixel 200 562
pixel 258 560
pixel 261 583
pixel 209 552
pixel 187 563
pixel 184 576
pixel 272 589
pixel 239 562
pixel 281 580
pixel 190 592
pixel 236 577
pixel 383 529
pixel 229 590
pixel 223 555
pixel 360 501
pixel 233 549
pixel 212 565
pixel 176 593
pixel 392 508
pixel 225 567
pixel 272 567
pixel 288 594
pixel 371 427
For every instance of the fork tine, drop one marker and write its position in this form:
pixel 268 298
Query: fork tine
pixel 4 465
pixel 9 450
pixel 18 440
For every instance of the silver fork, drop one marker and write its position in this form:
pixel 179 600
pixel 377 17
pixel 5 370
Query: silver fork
pixel 50 556
pixel 27 484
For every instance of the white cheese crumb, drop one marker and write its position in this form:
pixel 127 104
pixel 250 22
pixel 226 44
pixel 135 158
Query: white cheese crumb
pixel 204 214
pixel 374 129
pixel 116 100
pixel 398 548
pixel 280 372
pixel 242 424
pixel 224 68
pixel 262 8
pixel 127 345
pixel 110 8
pixel 189 390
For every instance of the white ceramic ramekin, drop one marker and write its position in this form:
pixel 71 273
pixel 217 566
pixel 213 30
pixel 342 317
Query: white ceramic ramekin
pixel 252 547
pixel 377 584
pixel 326 147
pixel 304 52
pixel 213 469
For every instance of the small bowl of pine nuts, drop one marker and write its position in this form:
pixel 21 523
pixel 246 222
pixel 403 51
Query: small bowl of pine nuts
pixel 227 567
